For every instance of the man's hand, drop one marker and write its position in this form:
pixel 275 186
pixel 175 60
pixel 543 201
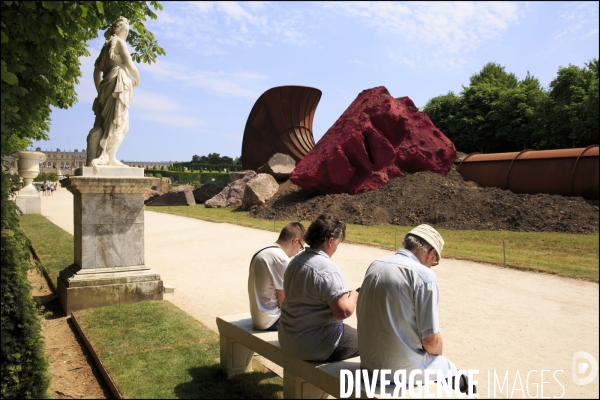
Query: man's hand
pixel 344 306
pixel 432 344
pixel 280 297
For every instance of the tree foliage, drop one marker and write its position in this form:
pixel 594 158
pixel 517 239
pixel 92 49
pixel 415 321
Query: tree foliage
pixel 42 43
pixel 499 113
pixel 214 159
pixel 24 365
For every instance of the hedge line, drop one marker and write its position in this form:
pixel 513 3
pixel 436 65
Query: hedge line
pixel 24 364
pixel 192 177
pixel 206 166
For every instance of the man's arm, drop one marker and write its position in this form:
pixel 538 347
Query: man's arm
pixel 432 344
pixel 344 306
pixel 280 297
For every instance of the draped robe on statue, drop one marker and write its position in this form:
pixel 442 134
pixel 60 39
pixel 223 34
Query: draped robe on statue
pixel 111 106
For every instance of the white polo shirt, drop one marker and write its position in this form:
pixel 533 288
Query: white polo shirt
pixel 266 276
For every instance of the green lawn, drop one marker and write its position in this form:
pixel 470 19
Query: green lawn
pixel 569 255
pixel 154 350
pixel 53 244
pixel 151 349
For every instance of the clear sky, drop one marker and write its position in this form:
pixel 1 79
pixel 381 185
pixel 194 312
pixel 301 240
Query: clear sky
pixel 222 56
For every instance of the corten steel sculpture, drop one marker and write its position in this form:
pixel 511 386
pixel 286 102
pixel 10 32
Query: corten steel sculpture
pixel 280 122
pixel 565 172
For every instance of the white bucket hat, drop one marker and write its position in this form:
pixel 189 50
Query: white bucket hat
pixel 431 236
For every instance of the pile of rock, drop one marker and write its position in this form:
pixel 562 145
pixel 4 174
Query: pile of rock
pixel 246 188
pixel 233 193
pixel 208 191
pixel 156 191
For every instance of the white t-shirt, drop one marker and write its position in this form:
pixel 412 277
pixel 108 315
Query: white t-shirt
pixel 266 276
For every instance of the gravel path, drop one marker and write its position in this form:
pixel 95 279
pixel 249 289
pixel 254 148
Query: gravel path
pixel 492 318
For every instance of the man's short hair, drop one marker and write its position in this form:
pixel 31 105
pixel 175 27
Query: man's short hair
pixel 292 230
pixel 412 242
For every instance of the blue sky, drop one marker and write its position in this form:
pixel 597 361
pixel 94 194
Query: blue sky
pixel 222 56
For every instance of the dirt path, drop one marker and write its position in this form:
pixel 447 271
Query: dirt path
pixel 492 319
pixel 73 372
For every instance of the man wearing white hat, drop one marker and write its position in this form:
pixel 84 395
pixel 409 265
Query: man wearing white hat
pixel 397 310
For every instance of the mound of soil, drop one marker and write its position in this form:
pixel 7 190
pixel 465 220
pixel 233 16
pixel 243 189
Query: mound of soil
pixel 447 202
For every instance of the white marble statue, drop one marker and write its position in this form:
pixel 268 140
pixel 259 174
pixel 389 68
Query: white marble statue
pixel 115 90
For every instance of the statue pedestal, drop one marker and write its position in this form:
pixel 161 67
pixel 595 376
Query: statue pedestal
pixel 28 200
pixel 109 240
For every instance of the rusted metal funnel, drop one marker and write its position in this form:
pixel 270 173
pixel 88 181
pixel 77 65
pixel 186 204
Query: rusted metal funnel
pixel 566 172
pixel 280 122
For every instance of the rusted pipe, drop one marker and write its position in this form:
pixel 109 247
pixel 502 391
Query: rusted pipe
pixel 280 122
pixel 566 172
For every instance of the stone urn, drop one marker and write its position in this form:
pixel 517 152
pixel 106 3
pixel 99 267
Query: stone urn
pixel 29 168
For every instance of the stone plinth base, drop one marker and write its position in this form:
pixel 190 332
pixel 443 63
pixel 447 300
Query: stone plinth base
pixel 98 287
pixel 29 204
pixel 109 171
pixel 109 266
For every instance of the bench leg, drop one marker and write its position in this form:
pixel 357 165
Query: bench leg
pixel 298 388
pixel 235 358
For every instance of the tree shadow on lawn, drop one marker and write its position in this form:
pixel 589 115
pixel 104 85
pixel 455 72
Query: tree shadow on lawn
pixel 209 382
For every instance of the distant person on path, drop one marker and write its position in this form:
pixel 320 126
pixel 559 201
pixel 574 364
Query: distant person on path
pixel 265 280
pixel 317 299
pixel 397 313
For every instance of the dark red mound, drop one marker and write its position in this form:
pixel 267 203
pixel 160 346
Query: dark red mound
pixel 376 139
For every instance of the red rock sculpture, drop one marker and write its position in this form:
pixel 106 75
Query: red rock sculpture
pixel 376 139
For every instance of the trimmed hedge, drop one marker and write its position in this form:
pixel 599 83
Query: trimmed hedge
pixel 178 166
pixel 24 364
pixel 191 177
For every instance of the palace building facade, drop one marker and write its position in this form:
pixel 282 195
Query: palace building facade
pixel 71 160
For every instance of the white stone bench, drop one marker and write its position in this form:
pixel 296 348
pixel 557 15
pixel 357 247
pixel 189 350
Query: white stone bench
pixel 301 379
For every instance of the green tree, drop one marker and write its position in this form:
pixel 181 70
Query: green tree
pixel 495 113
pixel 569 116
pixel 42 43
pixel 214 158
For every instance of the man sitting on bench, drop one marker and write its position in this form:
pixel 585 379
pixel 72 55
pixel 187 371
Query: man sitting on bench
pixel 265 281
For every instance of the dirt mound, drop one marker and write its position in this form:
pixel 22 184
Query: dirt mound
pixel 444 202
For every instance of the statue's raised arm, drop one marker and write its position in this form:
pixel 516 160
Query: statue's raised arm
pixel 115 90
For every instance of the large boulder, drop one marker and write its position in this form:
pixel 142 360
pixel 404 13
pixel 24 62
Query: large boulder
pixel 258 190
pixel 162 187
pixel 232 194
pixel 236 175
pixel 155 191
pixel 150 195
pixel 376 139
pixel 279 166
pixel 208 190
pixel 181 198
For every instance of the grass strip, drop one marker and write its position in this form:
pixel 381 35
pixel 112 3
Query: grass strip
pixel 151 349
pixel 53 244
pixel 563 254
pixel 154 350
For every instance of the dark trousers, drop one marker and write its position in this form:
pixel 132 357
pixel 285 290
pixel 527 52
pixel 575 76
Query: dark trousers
pixel 274 326
pixel 347 346
pixel 463 385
